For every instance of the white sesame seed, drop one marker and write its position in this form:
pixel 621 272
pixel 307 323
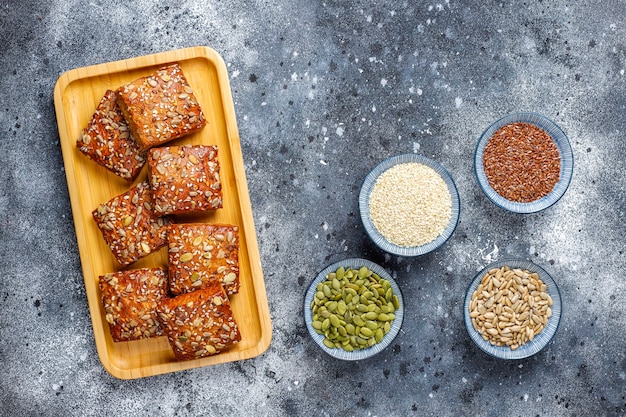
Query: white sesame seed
pixel 410 204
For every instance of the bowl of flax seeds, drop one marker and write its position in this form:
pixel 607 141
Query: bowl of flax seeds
pixel 523 162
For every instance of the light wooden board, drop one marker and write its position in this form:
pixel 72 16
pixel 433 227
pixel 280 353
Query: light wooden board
pixel 76 95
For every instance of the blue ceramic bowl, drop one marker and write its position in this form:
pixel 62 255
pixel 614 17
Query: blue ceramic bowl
pixel 540 340
pixel 565 175
pixel 377 237
pixel 354 263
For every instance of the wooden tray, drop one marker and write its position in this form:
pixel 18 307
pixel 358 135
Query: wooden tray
pixel 76 95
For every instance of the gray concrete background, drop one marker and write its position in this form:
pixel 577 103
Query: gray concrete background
pixel 324 91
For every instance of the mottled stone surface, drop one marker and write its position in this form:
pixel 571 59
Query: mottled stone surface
pixel 323 91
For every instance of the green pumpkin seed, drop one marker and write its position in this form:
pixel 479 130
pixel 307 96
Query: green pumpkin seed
pixel 186 257
pixel 326 290
pixel 325 324
pixel 363 272
pixel 366 332
pixel 370 315
pixel 341 307
pixel 361 308
pixel 353 309
pixel 348 317
pixel 350 290
pixel 371 324
pixel 340 272
pixel 378 335
pixel 358 321
pixel 329 343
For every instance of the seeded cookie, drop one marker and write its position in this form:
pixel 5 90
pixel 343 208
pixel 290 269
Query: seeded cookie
pixel 201 253
pixel 160 107
pixel 129 225
pixel 107 140
pixel 199 323
pixel 130 299
pixel 185 179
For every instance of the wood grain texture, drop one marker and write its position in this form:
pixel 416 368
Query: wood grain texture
pixel 76 94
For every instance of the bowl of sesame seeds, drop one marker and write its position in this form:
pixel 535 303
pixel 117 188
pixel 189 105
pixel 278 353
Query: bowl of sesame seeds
pixel 512 309
pixel 523 162
pixel 409 205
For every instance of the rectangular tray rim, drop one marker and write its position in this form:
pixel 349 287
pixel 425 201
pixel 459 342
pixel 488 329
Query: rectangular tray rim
pixel 155 59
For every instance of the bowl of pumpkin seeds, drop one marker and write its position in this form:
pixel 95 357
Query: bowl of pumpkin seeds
pixel 512 309
pixel 353 309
